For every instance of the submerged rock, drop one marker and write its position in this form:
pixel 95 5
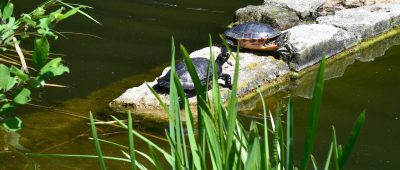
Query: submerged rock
pixel 255 71
pixel 304 8
pixel 367 21
pixel 315 40
pixel 278 17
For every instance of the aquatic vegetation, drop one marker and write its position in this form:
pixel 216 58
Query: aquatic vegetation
pixel 16 83
pixel 221 140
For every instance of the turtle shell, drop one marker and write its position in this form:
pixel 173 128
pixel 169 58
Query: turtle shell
pixel 252 30
pixel 201 66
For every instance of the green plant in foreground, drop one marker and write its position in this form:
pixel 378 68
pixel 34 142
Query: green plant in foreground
pixel 16 83
pixel 222 141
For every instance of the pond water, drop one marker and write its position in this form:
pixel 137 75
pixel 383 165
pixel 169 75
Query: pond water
pixel 132 46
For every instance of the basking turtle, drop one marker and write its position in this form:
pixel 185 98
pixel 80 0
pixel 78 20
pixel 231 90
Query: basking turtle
pixel 201 66
pixel 258 36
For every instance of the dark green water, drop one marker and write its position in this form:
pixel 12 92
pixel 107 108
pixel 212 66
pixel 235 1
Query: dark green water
pixel 135 46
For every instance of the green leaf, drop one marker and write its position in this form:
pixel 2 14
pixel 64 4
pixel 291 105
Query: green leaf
pixel 19 73
pixel 69 13
pixel 8 10
pixel 12 124
pixel 2 97
pixel 6 108
pixel 38 11
pixel 22 96
pixel 53 68
pixel 6 81
pixel 41 52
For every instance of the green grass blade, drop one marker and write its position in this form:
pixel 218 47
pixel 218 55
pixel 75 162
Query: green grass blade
pixel 282 143
pixel 163 105
pixel 227 46
pixel 212 139
pixel 290 137
pixel 180 137
pixel 167 156
pixel 192 71
pixel 314 115
pixel 96 142
pixel 138 164
pixel 131 142
pixel 173 98
pixel 335 149
pixel 192 140
pixel 265 128
pixel 155 158
pixel 253 160
pixel 314 162
pixel 328 158
pixel 77 156
pixel 352 140
pixel 112 143
pixel 81 12
pixel 199 90
pixel 232 110
pixel 276 145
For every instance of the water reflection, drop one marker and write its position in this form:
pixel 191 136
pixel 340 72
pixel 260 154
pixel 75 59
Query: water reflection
pixel 303 87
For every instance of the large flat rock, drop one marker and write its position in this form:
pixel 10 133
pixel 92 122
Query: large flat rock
pixel 304 8
pixel 315 40
pixel 255 71
pixel 366 21
pixel 278 17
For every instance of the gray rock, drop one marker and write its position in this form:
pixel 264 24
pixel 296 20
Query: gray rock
pixel 276 16
pixel 254 71
pixel 315 40
pixel 366 21
pixel 304 8
pixel 353 3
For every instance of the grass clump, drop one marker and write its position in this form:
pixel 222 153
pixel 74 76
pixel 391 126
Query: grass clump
pixel 221 141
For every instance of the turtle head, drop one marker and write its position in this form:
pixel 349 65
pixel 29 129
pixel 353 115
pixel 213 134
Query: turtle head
pixel 223 57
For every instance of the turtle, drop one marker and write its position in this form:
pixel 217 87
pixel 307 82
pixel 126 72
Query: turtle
pixel 259 36
pixel 202 66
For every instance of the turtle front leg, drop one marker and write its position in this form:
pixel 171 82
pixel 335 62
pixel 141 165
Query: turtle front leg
pixel 286 52
pixel 228 80
pixel 282 39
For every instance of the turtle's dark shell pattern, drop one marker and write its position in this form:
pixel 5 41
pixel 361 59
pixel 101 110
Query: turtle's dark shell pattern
pixel 252 30
pixel 201 66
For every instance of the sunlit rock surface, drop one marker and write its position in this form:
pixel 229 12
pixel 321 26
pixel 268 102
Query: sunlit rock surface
pixel 304 8
pixel 278 17
pixel 366 21
pixel 255 70
pixel 315 40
